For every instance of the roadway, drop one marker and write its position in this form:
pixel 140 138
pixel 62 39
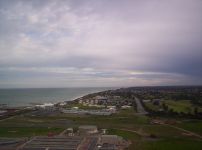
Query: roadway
pixel 140 108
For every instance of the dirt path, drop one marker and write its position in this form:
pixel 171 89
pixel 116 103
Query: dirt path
pixel 178 128
pixel 181 129
pixel 138 133
pixel 63 132
pixel 11 117
pixel 21 146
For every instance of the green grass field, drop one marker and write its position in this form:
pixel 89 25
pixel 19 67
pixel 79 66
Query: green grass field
pixel 192 125
pixel 178 106
pixel 167 138
pixel 27 131
pixel 169 144
pixel 153 107
pixel 125 134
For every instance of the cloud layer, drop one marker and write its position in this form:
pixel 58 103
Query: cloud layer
pixel 100 43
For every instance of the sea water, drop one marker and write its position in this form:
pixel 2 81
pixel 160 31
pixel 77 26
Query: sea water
pixel 28 97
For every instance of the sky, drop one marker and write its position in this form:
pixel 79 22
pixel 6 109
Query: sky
pixel 100 43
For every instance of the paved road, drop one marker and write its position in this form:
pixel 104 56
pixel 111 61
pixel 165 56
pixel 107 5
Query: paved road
pixel 140 108
pixel 92 144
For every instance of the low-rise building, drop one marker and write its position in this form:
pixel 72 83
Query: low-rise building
pixel 125 107
pixel 87 129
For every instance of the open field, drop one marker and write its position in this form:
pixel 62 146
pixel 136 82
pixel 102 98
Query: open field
pixel 144 132
pixel 125 134
pixel 192 125
pixel 184 106
pixel 27 131
pixel 168 144
pixel 131 126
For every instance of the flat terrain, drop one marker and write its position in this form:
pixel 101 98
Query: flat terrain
pixel 179 106
pixel 131 126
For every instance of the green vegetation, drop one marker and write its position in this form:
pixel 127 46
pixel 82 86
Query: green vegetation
pixel 27 131
pixel 192 125
pixel 169 144
pixel 142 131
pixel 119 124
pixel 126 112
pixel 125 134
pixel 180 106
pixel 153 107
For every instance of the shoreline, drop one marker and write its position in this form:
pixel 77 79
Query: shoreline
pixel 34 104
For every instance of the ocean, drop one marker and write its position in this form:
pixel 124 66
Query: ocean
pixel 28 97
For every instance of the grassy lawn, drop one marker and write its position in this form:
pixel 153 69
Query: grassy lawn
pixel 161 131
pixel 167 138
pixel 169 144
pixel 182 106
pixel 27 131
pixel 178 106
pixel 126 118
pixel 127 135
pixel 152 107
pixel 126 112
pixel 194 126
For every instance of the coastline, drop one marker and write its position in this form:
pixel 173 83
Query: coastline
pixel 29 103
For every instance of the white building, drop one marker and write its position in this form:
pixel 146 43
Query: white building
pixel 87 129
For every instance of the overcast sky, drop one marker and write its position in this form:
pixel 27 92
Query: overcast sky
pixel 96 43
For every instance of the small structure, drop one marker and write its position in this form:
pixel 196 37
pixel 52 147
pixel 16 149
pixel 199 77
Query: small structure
pixel 46 106
pixel 70 132
pixel 87 129
pixel 103 112
pixel 75 108
pixel 104 131
pixel 125 107
pixel 3 106
pixel 80 101
pixel 62 103
pixel 101 99
pixel 3 112
pixel 156 101
pixel 111 139
pixel 146 100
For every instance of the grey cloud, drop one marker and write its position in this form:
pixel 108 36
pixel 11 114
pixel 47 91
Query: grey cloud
pixel 160 38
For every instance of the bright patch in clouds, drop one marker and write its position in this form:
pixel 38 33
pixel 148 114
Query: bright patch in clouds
pixel 100 43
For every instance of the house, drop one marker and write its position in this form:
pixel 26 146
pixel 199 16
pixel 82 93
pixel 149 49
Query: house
pixel 101 99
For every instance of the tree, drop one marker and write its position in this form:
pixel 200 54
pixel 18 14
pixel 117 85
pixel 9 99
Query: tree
pixel 196 111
